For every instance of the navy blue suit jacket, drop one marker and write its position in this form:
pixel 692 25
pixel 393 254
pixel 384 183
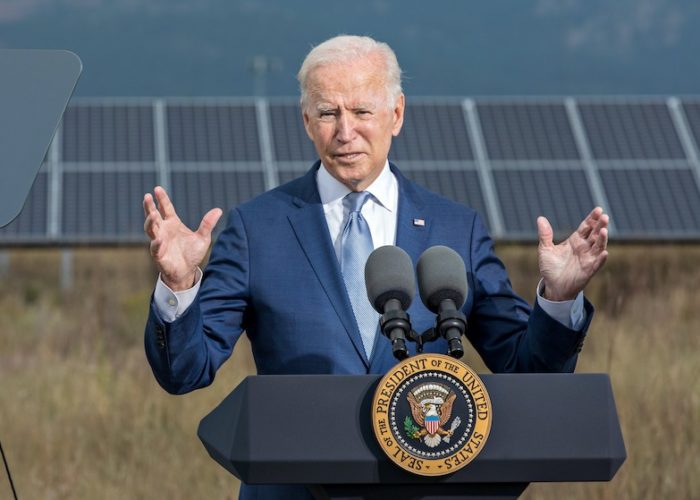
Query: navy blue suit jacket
pixel 273 273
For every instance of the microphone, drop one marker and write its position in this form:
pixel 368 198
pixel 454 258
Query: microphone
pixel 391 285
pixel 442 281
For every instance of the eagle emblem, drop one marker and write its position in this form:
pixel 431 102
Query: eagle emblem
pixel 431 407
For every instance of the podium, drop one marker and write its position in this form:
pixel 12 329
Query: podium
pixel 316 430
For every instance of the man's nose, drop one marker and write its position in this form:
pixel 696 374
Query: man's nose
pixel 346 128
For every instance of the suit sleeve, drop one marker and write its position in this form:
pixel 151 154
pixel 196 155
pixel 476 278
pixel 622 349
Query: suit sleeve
pixel 507 333
pixel 186 353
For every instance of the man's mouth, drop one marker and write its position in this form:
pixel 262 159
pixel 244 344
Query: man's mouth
pixel 348 157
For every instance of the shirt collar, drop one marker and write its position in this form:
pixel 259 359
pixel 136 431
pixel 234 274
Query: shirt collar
pixel 331 190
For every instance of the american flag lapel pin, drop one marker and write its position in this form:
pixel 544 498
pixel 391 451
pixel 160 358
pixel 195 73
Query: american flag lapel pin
pixel 419 222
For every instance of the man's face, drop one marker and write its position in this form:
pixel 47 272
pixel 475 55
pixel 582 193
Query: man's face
pixel 351 120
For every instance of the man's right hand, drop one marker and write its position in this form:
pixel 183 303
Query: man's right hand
pixel 176 250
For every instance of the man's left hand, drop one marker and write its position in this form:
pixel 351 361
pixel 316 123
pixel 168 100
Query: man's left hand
pixel 566 268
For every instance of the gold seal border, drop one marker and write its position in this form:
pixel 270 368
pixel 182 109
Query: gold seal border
pixel 385 392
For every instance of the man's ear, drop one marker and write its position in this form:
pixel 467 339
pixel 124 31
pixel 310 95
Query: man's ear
pixel 307 120
pixel 398 115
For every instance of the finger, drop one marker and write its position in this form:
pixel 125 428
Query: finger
pixel 601 224
pixel 149 205
pixel 152 224
pixel 165 206
pixel 601 243
pixel 545 232
pixel 209 221
pixel 587 225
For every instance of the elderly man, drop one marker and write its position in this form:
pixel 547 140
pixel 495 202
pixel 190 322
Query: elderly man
pixel 284 270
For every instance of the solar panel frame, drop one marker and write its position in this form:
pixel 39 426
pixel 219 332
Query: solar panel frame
pixel 629 130
pixel 212 131
pixel 88 198
pixel 691 109
pixel 433 131
pixel 530 130
pixel 563 195
pixel 110 132
pixel 656 202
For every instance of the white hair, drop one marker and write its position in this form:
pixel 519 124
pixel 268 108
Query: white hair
pixel 348 48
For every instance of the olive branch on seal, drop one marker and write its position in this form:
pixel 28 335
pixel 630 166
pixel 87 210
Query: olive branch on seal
pixel 411 429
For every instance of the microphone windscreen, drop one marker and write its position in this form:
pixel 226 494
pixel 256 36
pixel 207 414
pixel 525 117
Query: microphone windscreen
pixel 389 275
pixel 441 275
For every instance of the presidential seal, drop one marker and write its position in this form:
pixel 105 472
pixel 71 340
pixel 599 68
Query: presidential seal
pixel 431 414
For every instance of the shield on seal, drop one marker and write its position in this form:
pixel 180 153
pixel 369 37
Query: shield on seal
pixel 432 422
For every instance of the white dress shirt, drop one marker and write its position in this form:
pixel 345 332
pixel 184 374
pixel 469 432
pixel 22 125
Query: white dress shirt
pixel 380 212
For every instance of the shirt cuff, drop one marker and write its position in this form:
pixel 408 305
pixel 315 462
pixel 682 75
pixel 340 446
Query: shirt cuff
pixel 171 305
pixel 569 313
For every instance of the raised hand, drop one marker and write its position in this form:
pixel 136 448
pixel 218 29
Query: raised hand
pixel 176 250
pixel 566 268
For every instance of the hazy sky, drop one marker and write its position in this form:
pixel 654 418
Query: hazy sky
pixel 494 47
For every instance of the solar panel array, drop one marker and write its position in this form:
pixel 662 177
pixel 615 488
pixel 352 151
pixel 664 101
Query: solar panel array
pixel 510 159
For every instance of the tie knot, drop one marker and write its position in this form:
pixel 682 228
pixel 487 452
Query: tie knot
pixel 354 201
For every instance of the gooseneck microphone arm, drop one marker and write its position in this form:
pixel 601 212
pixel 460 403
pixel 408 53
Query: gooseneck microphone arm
pixel 451 325
pixel 396 325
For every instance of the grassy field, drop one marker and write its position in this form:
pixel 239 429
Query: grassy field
pixel 81 416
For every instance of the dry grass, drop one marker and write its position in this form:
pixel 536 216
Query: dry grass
pixel 82 416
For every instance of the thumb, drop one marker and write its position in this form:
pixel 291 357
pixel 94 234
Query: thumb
pixel 545 232
pixel 209 221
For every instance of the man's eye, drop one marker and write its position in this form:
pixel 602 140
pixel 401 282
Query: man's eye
pixel 327 113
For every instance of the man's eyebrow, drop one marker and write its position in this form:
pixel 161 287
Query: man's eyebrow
pixel 324 106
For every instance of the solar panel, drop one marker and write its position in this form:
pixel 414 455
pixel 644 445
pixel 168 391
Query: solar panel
pixel 631 131
pixel 290 142
pixel 461 186
pixel 212 133
pixel 108 133
pixel 527 131
pixel 104 205
pixel 649 202
pixel 432 132
pixel 692 112
pixel 563 196
pixel 108 158
pixel 31 223
pixel 195 193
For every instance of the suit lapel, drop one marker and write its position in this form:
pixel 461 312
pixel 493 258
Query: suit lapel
pixel 309 225
pixel 412 230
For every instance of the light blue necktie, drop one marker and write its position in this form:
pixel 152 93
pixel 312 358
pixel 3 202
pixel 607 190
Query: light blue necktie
pixel 356 247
